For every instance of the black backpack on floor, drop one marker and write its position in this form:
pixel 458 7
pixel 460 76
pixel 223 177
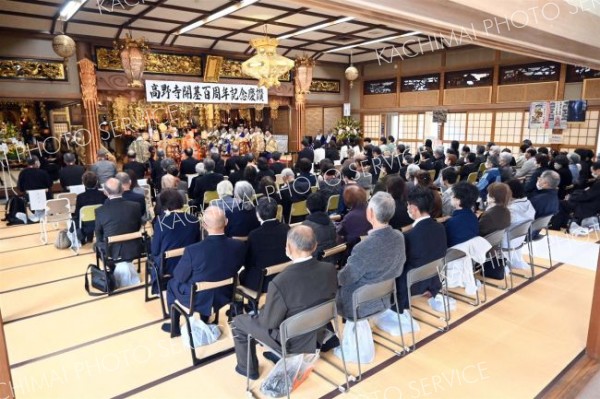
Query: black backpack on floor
pixel 14 206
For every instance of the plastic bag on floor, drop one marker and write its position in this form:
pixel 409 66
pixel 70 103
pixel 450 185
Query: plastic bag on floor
pixel 388 322
pixel 274 385
pixel 202 333
pixel 308 364
pixel 125 274
pixel 437 303
pixel 366 345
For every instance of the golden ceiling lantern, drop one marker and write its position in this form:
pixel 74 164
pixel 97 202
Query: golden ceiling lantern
pixel 132 57
pixel 266 65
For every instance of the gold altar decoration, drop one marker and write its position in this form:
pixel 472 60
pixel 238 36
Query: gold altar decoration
pixel 266 65
pixel 244 113
pixel 212 68
pixel 325 86
pixel 30 69
pixel 232 69
pixel 89 95
pixel 258 112
pixel 64 46
pixel 274 108
pixel 132 58
pixel 161 63
pixel 303 79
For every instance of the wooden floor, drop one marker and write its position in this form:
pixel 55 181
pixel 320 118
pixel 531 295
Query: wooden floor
pixel 65 344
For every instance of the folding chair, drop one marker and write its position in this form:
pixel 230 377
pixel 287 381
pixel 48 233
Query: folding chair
pixel 539 224
pixel 482 167
pixel 178 309
pixel 209 196
pixel 298 209
pixel 495 239
pixel 422 273
pixel 244 239
pixel 333 202
pixel 432 174
pixel 72 197
pixel 314 189
pixel 280 213
pixel 307 321
pixel 57 210
pixel 252 296
pixel 472 177
pixel 371 292
pixel 452 255
pixel 520 230
pixel 161 278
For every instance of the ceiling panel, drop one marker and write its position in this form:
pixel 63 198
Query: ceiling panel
pixel 104 18
pixel 344 27
pixel 231 23
pixel 317 46
pixel 13 21
pixel 273 30
pixel 291 42
pixel 21 6
pixel 256 12
pixel 193 42
pixel 145 23
pixel 313 36
pixel 175 15
pixel 364 57
pixel 334 58
pixel 299 53
pixel 198 4
pixel 245 36
pixel 225 45
pixel 115 6
pixel 302 20
pixel 377 32
pixel 97 31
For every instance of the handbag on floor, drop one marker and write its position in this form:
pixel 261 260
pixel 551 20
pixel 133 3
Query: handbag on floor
pixel 62 240
pixel 101 280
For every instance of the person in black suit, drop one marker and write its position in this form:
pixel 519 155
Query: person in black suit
pixel 305 284
pixel 266 245
pixel 118 216
pixel 304 166
pixel 237 175
pixel 188 165
pixel 34 178
pixel 424 243
pixel 581 203
pixel 91 196
pixel 207 182
pixel 264 170
pixel 231 164
pixel 306 152
pixel 215 258
pixel 129 195
pixel 469 167
pixel 219 163
pixel 71 174
pixel 293 190
pixel 277 166
pixel 241 217
pixel 138 167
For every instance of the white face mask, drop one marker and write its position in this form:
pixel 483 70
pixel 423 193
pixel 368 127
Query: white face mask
pixel 538 186
pixel 557 166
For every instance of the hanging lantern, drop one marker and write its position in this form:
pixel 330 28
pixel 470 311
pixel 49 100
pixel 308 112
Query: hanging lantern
pixel 274 106
pixel 303 79
pixel 351 72
pixel 132 59
pixel 63 46
pixel 267 66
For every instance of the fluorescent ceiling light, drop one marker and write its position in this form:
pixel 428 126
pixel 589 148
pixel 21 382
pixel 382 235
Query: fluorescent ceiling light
pixel 383 39
pixel 325 25
pixel 70 9
pixel 217 15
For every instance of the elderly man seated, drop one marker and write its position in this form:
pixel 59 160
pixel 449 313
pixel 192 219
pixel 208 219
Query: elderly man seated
pixel 304 284
pixel 293 190
pixel 215 258
pixel 360 269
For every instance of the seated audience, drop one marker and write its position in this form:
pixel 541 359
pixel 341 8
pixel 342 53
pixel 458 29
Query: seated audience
pixel 361 270
pixel 231 164
pixel 266 245
pixel 574 166
pixel 423 179
pixel 225 193
pixel 355 223
pixel 138 167
pixel 581 203
pixel 103 168
pixel 521 210
pixel 206 182
pixel 70 174
pixel 329 181
pixel 241 220
pixel 424 243
pixel 174 229
pixel 396 187
pixel 497 215
pixel 135 187
pixel 268 188
pixel 318 220
pixel 561 165
pixel 188 165
pixel 304 167
pixel 449 177
pixel 463 225
pixel 238 174
pixel 215 258
pixel 292 191
pixel 471 165
pixel 506 170
pixel 542 162
pixel 277 166
pixel 491 175
pixel 305 284
pixel 115 217
pixel 129 195
pixel 263 169
pixel 545 198
pixel 91 196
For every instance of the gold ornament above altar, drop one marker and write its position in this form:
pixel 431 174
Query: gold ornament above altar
pixel 132 58
pixel 266 65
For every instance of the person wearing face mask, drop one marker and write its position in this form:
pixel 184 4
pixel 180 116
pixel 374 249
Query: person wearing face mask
pixel 463 225
pixel 581 204
pixel 561 165
pixel 424 243
pixel 545 198
pixel 497 215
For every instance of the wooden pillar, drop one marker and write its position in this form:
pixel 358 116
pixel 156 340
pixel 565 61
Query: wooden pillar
pixel 593 340
pixel 6 391
pixel 300 125
pixel 91 138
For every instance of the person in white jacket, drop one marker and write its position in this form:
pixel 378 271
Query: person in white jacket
pixel 521 210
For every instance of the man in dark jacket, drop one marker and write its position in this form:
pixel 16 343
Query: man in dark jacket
pixel 70 175
pixel 306 152
pixel 188 165
pixel 91 196
pixel 582 203
pixel 319 222
pixel 545 198
pixel 207 182
pixel 303 285
pixel 129 195
pixel 138 168
pixel 266 245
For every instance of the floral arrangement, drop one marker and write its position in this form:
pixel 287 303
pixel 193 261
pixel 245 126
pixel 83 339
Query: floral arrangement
pixel 8 131
pixel 348 128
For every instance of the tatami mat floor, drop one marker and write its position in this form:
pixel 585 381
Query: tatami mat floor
pixel 65 344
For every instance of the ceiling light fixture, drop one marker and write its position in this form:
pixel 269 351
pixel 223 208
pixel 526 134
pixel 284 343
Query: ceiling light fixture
pixel 70 9
pixel 384 39
pixel 217 15
pixel 325 25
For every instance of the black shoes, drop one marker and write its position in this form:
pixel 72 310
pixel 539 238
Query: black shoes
pixel 253 376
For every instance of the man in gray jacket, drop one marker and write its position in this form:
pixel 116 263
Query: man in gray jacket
pixel 103 168
pixel 379 256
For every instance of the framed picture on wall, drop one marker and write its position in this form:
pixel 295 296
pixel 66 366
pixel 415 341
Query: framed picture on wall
pixel 76 115
pixel 383 86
